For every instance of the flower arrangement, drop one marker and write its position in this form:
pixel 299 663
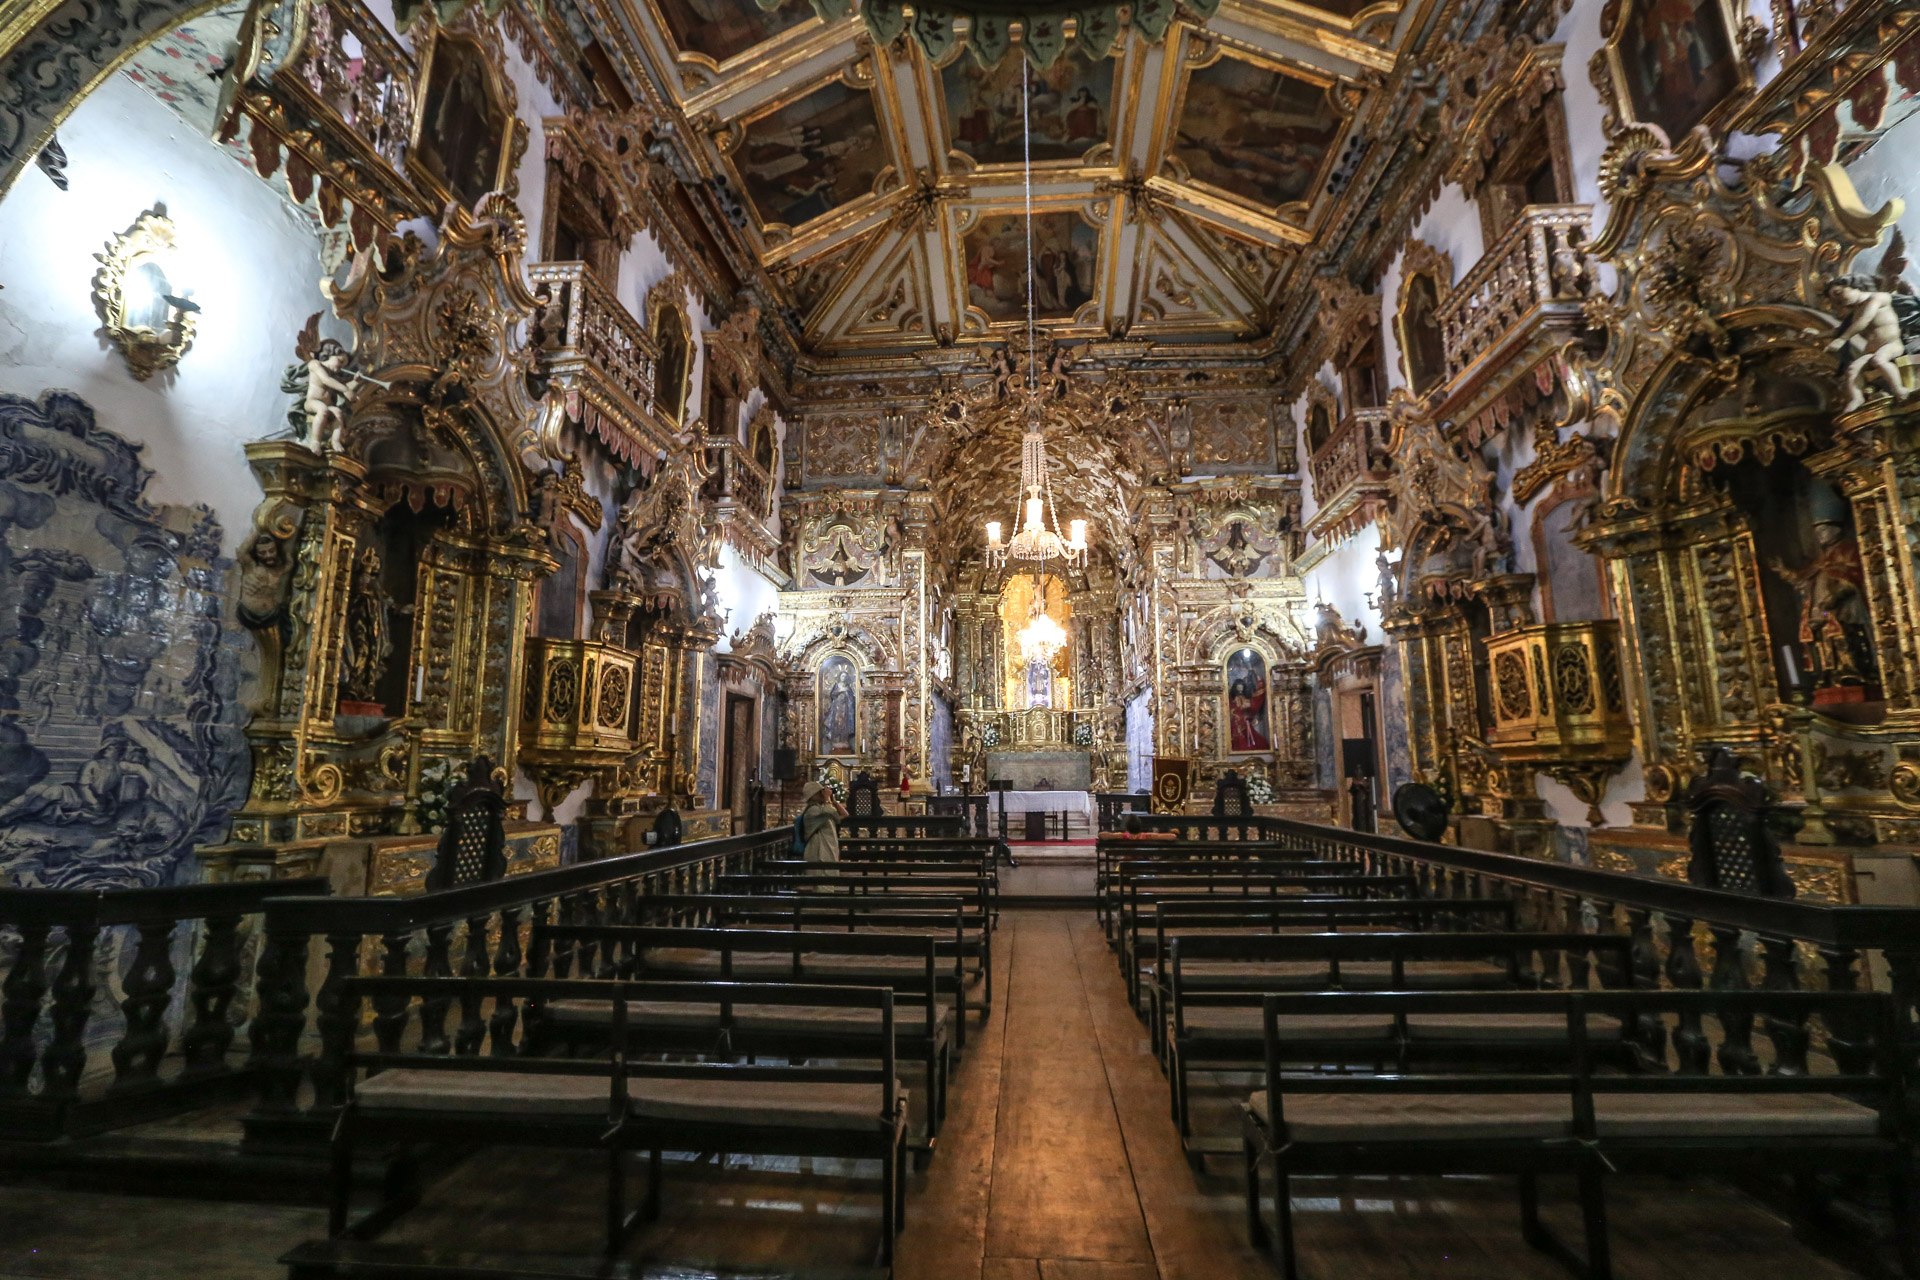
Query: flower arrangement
pixel 1259 789
pixel 835 788
pixel 990 736
pixel 436 790
pixel 1083 735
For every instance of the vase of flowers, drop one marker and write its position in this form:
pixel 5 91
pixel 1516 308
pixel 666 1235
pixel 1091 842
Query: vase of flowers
pixel 1259 789
pixel 436 790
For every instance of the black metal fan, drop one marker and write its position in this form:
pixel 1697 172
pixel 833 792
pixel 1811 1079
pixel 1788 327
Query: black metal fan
pixel 1420 810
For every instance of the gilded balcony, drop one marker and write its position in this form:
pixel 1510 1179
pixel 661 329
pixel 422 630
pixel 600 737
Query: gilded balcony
pixel 330 97
pixel 1510 313
pixel 1559 702
pixel 600 358
pixel 743 496
pixel 1350 473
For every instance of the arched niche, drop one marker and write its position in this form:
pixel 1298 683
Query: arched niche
pixel 1246 682
pixel 1426 278
pixel 1323 415
pixel 837 705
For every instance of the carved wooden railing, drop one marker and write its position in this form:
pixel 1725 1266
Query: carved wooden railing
pixel 1117 806
pixel 1683 936
pixel 1514 283
pixel 59 942
pixel 311 945
pixel 739 478
pixel 1350 455
pixel 600 357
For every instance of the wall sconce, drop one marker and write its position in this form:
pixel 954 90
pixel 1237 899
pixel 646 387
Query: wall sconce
pixel 147 313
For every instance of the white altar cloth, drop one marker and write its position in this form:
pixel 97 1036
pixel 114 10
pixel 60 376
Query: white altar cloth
pixel 1044 802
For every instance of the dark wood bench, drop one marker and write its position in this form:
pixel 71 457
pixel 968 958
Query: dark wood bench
pixel 1216 985
pixel 1147 942
pixel 924 994
pixel 1108 852
pixel 1107 879
pixel 615 1104
pixel 1581 1118
pixel 1136 894
pixel 961 938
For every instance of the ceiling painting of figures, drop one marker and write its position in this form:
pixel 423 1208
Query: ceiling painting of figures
pixel 812 155
pixel 1255 132
pixel 1066 254
pixel 1070 108
pixel 723 29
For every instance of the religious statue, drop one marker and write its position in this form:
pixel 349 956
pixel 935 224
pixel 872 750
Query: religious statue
pixel 1835 623
pixel 1883 323
pixel 368 645
pixel 323 381
pixel 1389 585
pixel 644 524
pixel 266 569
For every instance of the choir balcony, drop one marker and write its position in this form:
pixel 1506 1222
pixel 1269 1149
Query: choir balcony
pixel 738 485
pixel 1350 472
pixel 600 358
pixel 1510 312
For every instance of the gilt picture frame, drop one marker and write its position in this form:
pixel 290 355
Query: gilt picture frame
pixel 463 141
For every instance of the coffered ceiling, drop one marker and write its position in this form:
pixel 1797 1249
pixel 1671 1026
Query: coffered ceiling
pixel 1174 182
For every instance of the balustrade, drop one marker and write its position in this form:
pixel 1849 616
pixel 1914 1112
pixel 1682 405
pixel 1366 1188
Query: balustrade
pixel 1351 466
pixel 357 71
pixel 56 1007
pixel 475 930
pixel 1536 270
pixel 600 357
pixel 738 477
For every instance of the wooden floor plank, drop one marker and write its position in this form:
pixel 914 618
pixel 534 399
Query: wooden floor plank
pixel 1062 1187
pixel 1194 1223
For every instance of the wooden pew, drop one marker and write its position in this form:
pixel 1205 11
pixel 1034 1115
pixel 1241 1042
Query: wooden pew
pixel 1107 881
pixel 910 966
pixel 1576 1116
pixel 1213 1014
pixel 1182 916
pixel 613 1105
pixel 1206 877
pixel 1138 893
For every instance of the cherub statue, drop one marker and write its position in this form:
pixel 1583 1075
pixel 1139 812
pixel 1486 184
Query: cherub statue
pixel 1883 323
pixel 1388 590
pixel 323 382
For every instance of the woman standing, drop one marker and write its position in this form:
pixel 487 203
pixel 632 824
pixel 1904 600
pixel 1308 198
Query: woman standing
pixel 820 823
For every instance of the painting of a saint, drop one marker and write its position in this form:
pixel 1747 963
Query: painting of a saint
pixel 1065 254
pixel 813 155
pixel 1420 337
pixel 1247 701
pixel 463 125
pixel 1069 108
pixel 839 700
pixel 1254 132
pixel 723 28
pixel 1678 62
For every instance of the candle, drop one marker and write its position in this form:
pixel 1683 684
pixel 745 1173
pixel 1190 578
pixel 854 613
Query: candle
pixel 1793 672
pixel 420 684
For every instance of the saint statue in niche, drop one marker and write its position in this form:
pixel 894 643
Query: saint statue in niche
pixel 1039 684
pixel 1836 627
pixel 369 637
pixel 1247 701
pixel 838 703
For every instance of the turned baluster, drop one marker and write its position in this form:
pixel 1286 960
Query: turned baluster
pixel 1644 960
pixel 149 989
pixel 473 964
pixel 1787 1029
pixel 20 997
pixel 390 1010
pixel 1903 976
pixel 335 1015
pixel 1846 1038
pixel 66 1056
pixel 433 1009
pixel 602 956
pixel 1730 974
pixel 280 991
pixel 211 987
pixel 506 964
pixel 1683 971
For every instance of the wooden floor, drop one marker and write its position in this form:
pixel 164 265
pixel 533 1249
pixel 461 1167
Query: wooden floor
pixel 1059 1162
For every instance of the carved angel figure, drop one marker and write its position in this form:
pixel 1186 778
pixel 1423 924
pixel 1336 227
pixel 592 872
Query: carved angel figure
pixel 323 382
pixel 1883 323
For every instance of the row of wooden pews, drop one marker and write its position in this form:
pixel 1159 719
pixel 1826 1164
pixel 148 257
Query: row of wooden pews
pixel 758 1006
pixel 1318 1010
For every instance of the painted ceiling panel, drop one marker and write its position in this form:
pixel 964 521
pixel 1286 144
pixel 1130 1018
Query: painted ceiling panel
pixel 1070 108
pixel 723 29
pixel 1255 132
pixel 813 155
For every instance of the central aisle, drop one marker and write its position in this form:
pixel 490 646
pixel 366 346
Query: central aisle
pixel 1059 1161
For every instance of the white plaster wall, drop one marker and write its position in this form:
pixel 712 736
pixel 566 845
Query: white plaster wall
pixel 1579 31
pixel 1344 578
pixel 1452 226
pixel 249 260
pixel 1568 810
pixel 744 592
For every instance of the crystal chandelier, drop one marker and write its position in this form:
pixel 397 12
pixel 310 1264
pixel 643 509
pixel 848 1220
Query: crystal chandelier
pixel 1041 639
pixel 1037 536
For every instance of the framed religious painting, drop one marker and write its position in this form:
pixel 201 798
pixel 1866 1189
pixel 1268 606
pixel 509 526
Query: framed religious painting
pixel 464 121
pixel 1673 64
pixel 838 695
pixel 1255 132
pixel 1426 278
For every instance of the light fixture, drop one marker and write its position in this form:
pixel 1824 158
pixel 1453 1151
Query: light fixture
pixel 146 312
pixel 1041 639
pixel 1037 534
